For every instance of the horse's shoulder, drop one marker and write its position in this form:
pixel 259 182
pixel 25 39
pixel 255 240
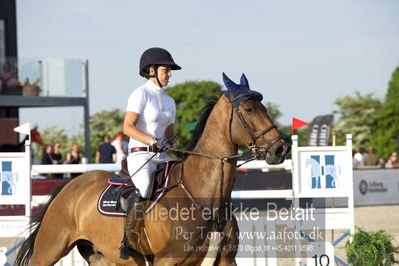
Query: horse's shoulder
pixel 91 177
pixel 98 174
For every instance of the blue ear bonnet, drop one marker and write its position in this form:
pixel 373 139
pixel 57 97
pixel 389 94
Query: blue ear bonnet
pixel 234 90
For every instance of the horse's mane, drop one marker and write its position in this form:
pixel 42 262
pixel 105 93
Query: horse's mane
pixel 197 133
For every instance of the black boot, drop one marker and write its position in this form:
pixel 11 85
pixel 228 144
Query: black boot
pixel 133 200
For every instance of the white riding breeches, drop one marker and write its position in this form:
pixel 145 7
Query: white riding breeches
pixel 143 179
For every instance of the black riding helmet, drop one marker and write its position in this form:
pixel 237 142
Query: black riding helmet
pixel 155 57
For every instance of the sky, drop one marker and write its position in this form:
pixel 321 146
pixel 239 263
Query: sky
pixel 301 55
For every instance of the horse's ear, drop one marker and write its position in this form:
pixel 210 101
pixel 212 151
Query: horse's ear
pixel 27 83
pixel 230 85
pixel 244 81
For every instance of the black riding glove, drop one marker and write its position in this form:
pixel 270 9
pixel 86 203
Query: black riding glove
pixel 161 145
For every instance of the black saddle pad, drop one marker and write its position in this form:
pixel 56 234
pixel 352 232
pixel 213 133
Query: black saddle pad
pixel 118 186
pixel 108 201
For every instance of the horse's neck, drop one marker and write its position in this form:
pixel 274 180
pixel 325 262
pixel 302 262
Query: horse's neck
pixel 203 175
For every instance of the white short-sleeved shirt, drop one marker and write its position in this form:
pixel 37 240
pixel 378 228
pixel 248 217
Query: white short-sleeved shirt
pixel 360 157
pixel 156 111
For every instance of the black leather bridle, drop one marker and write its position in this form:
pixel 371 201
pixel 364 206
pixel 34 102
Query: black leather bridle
pixel 257 152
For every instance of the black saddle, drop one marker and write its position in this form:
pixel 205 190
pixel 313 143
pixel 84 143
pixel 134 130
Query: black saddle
pixel 121 186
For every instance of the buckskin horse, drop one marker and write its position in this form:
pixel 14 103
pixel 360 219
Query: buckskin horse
pixel 207 172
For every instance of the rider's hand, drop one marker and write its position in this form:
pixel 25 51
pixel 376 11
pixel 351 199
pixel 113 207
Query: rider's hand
pixel 161 145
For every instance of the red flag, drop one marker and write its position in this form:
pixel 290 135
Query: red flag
pixel 296 123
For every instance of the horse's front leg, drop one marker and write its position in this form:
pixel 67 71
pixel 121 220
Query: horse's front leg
pixel 229 243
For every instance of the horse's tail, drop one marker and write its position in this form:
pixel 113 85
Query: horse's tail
pixel 26 250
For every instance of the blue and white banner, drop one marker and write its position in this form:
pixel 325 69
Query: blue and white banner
pixel 324 172
pixel 14 178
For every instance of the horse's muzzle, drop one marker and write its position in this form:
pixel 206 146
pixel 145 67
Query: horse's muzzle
pixel 277 153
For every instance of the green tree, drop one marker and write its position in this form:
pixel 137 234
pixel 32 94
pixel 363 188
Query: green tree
pixel 101 123
pixel 357 116
pixel 104 123
pixel 386 128
pixel 274 112
pixel 190 98
pixel 55 134
pixel 285 130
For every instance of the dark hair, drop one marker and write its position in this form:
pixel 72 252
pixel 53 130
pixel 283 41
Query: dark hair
pixel 146 70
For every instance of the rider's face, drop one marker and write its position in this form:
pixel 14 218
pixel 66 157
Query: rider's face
pixel 164 75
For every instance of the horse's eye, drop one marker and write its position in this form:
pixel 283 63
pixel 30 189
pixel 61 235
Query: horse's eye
pixel 248 110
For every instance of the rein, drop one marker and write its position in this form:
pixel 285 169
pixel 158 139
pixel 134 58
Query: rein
pixel 219 219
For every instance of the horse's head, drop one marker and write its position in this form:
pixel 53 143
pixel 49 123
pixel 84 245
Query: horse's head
pixel 250 125
pixel 35 137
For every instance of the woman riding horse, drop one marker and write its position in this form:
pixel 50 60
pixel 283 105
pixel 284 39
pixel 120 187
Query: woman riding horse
pixel 203 181
pixel 149 122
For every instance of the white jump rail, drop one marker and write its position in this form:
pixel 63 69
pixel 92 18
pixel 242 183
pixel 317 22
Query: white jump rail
pixel 73 168
pixel 113 167
pixel 262 165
